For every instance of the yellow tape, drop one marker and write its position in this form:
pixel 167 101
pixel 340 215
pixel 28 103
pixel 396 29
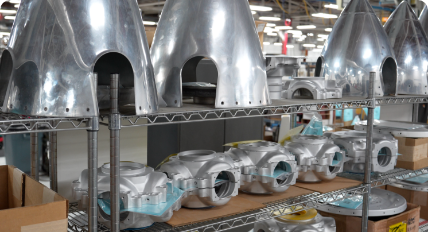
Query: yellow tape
pixel 291 133
pixel 302 215
pixel 165 160
pixel 399 227
pixel 235 144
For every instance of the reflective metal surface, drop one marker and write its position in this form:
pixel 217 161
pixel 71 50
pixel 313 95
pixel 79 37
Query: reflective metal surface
pixel 397 129
pixel 317 157
pixel 140 186
pixel 56 46
pixel 304 221
pixel 311 88
pixel 357 46
pixel 353 144
pixel 221 30
pixel 266 167
pixel 382 203
pixel 208 178
pixel 405 184
pixel 410 45
pixel 423 18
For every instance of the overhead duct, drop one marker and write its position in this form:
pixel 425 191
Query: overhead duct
pixel 221 30
pixel 410 45
pixel 55 48
pixel 357 46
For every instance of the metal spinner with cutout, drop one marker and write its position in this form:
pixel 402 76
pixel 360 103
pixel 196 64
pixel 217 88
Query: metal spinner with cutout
pixel 208 178
pixel 353 144
pixel 303 221
pixel 146 196
pixel 316 88
pixel 382 203
pixel 266 167
pixel 318 157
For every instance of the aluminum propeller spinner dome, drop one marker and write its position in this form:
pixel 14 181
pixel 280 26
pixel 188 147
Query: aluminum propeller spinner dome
pixel 357 46
pixel 410 45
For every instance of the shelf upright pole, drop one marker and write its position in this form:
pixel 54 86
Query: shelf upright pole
pixel 93 123
pixel 114 127
pixel 415 114
pixel 369 150
pixel 53 168
pixel 34 151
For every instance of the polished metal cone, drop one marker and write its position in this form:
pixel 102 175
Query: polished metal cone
pixel 423 18
pixel 410 45
pixel 357 46
pixel 55 48
pixel 221 30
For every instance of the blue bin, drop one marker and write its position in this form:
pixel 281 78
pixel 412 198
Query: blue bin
pixel 17 150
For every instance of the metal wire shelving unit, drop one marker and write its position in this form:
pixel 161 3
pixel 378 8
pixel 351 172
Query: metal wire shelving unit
pixel 80 221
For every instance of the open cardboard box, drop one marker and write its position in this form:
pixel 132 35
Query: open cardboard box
pixel 415 165
pixel 414 197
pixel 408 221
pixel 28 206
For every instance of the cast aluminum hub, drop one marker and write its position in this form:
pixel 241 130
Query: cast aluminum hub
pixel 397 129
pixel 318 157
pixel 304 221
pixel 382 203
pixel 140 186
pixel 316 88
pixel 353 144
pixel 266 167
pixel 208 178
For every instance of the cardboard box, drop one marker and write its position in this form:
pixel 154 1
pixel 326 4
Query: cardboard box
pixel 260 26
pixel 412 149
pixel 414 197
pixel 28 206
pixel 353 224
pixel 150 33
pixel 337 183
pixel 416 165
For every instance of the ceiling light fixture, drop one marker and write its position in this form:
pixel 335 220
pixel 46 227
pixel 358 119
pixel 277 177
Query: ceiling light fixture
pixel 7 11
pixel 309 45
pixel 271 25
pixel 16 5
pixel 332 6
pixel 266 43
pixel 306 27
pixel 4 33
pixel 260 8
pixel 316 50
pixel 290 46
pixel 15 1
pixel 150 23
pixel 321 39
pixel 328 29
pixel 283 27
pixel 272 34
pixel 10 17
pixel 294 32
pixel 277 44
pixel 320 46
pixel 310 34
pixel 322 35
pixel 269 18
pixel 253 12
pixel 324 15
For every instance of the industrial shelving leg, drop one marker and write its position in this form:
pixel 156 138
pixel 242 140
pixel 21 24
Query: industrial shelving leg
pixel 34 152
pixel 368 163
pixel 114 127
pixel 53 171
pixel 93 174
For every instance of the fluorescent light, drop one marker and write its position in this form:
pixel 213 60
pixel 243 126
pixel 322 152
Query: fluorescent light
pixel 269 18
pixel 15 1
pixel 332 6
pixel 149 23
pixel 267 29
pixel 309 45
pixel 310 34
pixel 10 17
pixel 317 50
pixel 7 11
pixel 275 30
pixel 321 39
pixel 296 36
pixel 324 15
pixel 271 25
pixel 260 8
pixel 294 32
pixel 320 46
pixel 328 29
pixel 16 5
pixel 290 46
pixel 266 43
pixel 277 44
pixel 306 27
pixel 5 33
pixel 301 40
pixel 253 12
pixel 283 27
pixel 322 35
pixel 272 34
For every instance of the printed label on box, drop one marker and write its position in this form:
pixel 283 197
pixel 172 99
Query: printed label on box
pixel 399 227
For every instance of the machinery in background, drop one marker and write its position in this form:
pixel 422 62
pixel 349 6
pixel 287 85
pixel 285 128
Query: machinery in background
pixel 266 167
pixel 146 196
pixel 353 144
pixel 279 67
pixel 206 177
pixel 318 157
pixel 410 44
pixel 316 88
pixel 303 221
pixel 397 129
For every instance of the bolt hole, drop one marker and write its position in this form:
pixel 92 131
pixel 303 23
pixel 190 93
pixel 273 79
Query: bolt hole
pixel 175 101
pixel 260 102
pixel 25 107
pixel 140 107
pixel 11 105
pixel 67 109
pixel 46 109
pixel 236 103
pixel 150 107
pixel 222 103
pixel 87 109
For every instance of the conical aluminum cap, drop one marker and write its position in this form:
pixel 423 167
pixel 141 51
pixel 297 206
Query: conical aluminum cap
pixel 423 18
pixel 410 46
pixel 357 46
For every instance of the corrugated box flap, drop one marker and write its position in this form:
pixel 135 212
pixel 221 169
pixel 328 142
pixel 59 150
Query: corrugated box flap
pixel 15 184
